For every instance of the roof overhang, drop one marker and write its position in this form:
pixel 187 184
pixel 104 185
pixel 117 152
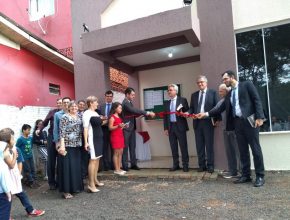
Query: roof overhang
pixel 124 45
pixel 29 42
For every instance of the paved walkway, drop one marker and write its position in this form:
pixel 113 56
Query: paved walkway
pixel 160 195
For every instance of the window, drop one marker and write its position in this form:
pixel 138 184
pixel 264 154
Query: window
pixel 54 89
pixel 264 58
pixel 41 8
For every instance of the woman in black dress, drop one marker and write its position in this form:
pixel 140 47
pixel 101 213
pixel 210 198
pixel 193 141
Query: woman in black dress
pixel 69 158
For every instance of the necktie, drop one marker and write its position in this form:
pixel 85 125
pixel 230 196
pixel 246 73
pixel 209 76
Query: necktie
pixel 172 109
pixel 234 102
pixel 107 109
pixel 200 102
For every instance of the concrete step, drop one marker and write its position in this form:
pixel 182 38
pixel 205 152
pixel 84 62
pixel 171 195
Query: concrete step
pixel 160 174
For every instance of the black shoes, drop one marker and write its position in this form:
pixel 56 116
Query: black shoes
pixel 134 167
pixel 260 181
pixel 174 168
pixel 210 170
pixel 243 179
pixel 185 169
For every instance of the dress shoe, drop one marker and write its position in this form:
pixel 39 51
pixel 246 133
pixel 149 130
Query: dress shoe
pixel 201 169
pixel 174 168
pixel 260 181
pixel 92 190
pixel 210 170
pixel 135 167
pixel 243 179
pixel 99 184
pixel 185 169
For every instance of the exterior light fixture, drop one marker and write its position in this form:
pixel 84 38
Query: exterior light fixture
pixel 187 2
pixel 170 55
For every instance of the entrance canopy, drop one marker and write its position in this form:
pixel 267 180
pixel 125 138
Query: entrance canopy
pixel 147 43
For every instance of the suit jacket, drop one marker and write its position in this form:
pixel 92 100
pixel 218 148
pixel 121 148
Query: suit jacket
pixel 249 101
pixel 181 121
pixel 210 101
pixel 102 111
pixel 129 114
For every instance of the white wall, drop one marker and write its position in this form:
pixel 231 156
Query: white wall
pixel 120 11
pixel 276 150
pixel 185 75
pixel 248 13
pixel 14 117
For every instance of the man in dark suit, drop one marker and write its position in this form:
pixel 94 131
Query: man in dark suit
pixel 107 151
pixel 129 116
pixel 202 101
pixel 244 101
pixel 175 126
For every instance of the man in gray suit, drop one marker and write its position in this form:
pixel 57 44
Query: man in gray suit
pixel 201 101
pixel 129 116
pixel 175 127
pixel 107 151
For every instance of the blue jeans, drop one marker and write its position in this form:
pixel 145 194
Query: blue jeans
pixel 29 169
pixel 25 201
pixel 5 207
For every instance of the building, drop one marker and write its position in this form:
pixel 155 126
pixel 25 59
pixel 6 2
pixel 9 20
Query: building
pixel 36 52
pixel 36 65
pixel 208 37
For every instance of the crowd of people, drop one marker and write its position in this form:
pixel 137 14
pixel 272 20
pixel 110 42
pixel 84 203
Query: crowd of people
pixel 82 134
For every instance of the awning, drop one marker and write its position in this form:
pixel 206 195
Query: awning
pixel 145 43
pixel 22 37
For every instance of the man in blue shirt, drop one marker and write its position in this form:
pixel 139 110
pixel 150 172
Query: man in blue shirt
pixel 57 117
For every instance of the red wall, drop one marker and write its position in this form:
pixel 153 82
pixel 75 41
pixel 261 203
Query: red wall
pixel 25 79
pixel 58 26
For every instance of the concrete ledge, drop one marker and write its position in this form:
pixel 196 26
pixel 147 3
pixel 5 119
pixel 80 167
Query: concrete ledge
pixel 160 174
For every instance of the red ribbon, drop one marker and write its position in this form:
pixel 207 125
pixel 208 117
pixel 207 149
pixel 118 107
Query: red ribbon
pixel 162 114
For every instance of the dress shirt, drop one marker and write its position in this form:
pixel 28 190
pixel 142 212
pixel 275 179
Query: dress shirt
pixel 57 117
pixel 108 109
pixel 173 109
pixel 203 100
pixel 237 107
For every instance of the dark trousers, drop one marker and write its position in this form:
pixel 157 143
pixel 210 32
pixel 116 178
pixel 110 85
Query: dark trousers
pixel 107 158
pixel 130 144
pixel 25 201
pixel 85 157
pixel 5 207
pixel 51 161
pixel 29 169
pixel 175 137
pixel 204 132
pixel 232 151
pixel 247 135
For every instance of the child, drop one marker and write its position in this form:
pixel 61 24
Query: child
pixel 5 191
pixel 116 126
pixel 24 143
pixel 10 156
pixel 39 141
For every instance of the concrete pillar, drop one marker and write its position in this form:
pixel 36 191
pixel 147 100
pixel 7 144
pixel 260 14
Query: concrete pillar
pixel 217 53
